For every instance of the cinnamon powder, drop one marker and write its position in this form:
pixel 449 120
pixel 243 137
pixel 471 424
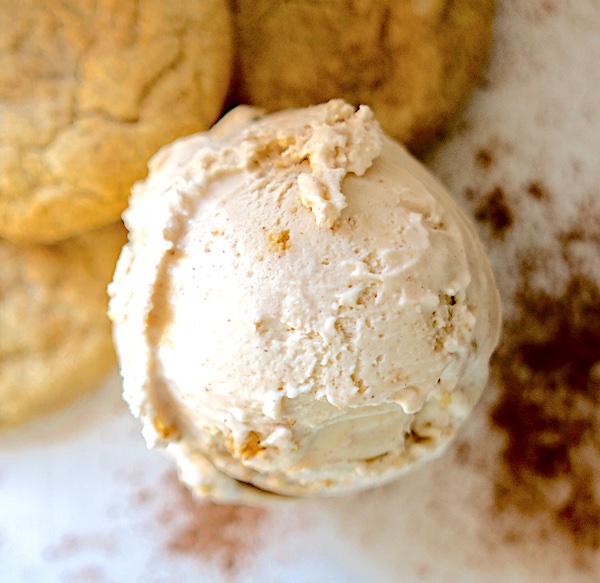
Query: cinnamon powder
pixel 549 367
pixel 228 535
pixel 496 212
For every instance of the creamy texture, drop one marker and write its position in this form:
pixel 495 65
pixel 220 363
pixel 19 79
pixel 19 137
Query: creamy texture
pixel 301 306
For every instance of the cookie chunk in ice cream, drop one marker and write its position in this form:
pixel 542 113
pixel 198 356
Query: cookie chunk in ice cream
pixel 301 309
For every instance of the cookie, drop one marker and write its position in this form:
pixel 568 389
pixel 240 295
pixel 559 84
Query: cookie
pixel 415 62
pixel 88 92
pixel 55 337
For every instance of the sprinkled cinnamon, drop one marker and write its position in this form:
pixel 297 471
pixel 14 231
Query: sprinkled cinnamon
pixel 495 212
pixel 484 158
pixel 228 535
pixel 549 368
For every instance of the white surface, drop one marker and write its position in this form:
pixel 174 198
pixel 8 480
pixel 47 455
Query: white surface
pixel 82 500
pixel 68 488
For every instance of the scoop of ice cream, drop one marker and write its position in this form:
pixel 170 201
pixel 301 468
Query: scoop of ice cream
pixel 301 307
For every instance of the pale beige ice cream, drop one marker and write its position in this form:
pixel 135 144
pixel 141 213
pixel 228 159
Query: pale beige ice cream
pixel 301 306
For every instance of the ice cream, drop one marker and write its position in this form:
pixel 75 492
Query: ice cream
pixel 301 309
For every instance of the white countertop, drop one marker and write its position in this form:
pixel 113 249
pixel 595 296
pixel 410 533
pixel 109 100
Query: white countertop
pixel 83 501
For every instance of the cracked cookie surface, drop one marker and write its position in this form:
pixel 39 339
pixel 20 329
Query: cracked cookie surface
pixel 414 62
pixel 55 337
pixel 88 92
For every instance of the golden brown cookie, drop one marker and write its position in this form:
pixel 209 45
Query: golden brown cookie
pixel 55 337
pixel 414 62
pixel 88 92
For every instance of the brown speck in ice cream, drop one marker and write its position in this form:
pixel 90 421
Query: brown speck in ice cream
pixel 279 242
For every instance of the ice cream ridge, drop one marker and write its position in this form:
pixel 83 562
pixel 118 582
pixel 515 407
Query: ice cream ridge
pixel 301 309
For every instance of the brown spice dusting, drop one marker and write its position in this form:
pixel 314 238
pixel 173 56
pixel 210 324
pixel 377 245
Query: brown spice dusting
pixel 548 408
pixel 496 212
pixel 226 534
pixel 90 574
pixel 484 158
pixel 573 236
pixel 142 497
pixel 549 6
pixel 577 236
pixel 166 430
pixel 580 515
pixel 73 545
pixel 462 452
pixel 512 537
pixel 536 190
pixel 423 572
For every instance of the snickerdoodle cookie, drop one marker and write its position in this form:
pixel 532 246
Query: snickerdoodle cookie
pixel 55 337
pixel 414 62
pixel 88 92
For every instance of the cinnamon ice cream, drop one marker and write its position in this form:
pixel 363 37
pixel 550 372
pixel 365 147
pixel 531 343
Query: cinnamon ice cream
pixel 301 309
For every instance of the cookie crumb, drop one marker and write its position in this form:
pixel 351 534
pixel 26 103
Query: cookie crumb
pixel 279 242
